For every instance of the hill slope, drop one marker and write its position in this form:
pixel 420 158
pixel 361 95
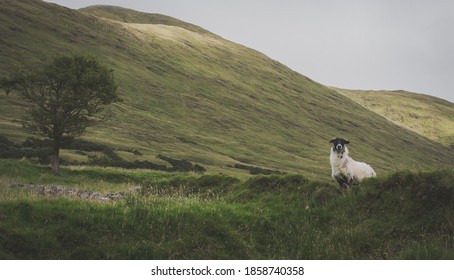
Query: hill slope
pixel 193 95
pixel 132 16
pixel 424 114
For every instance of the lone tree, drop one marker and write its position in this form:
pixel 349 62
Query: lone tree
pixel 66 96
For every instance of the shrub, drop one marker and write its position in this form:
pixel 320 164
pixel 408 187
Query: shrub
pixel 9 149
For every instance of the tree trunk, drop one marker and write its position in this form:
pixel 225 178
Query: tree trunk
pixel 55 160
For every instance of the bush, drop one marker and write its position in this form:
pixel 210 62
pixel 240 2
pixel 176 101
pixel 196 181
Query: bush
pixel 35 143
pixel 9 149
pixel 30 148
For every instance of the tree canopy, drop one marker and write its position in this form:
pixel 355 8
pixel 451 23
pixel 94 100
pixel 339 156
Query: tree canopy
pixel 66 96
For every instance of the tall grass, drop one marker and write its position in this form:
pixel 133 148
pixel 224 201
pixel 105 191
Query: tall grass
pixel 406 215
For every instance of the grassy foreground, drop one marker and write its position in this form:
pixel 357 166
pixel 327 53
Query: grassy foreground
pixel 406 215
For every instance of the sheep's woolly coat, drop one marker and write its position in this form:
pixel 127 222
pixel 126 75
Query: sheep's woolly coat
pixel 347 171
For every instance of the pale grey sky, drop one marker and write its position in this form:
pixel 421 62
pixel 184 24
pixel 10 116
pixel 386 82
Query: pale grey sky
pixel 353 44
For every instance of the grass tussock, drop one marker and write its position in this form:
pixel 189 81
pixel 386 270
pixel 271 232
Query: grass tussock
pixel 405 215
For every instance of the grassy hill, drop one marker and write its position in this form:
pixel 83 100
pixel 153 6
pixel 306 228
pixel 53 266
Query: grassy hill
pixel 189 94
pixel 131 16
pixel 424 114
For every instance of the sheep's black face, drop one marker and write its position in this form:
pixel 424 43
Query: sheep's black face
pixel 339 144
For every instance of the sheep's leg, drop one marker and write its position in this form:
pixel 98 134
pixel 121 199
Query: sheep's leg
pixel 343 181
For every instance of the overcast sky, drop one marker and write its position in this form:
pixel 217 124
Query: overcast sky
pixel 353 44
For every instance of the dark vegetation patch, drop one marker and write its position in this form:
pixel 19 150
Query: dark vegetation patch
pixel 182 165
pixel 34 148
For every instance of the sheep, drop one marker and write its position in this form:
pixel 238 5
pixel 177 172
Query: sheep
pixel 344 170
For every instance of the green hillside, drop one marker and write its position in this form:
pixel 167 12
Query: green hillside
pixel 427 115
pixel 190 94
pixel 130 16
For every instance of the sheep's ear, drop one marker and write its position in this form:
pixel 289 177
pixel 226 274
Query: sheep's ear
pixel 346 141
pixel 332 140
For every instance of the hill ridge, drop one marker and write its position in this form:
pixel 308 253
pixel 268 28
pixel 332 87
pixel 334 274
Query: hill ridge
pixel 132 16
pixel 427 115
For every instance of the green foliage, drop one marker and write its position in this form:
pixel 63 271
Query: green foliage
pixel 65 97
pixel 9 149
pixel 31 148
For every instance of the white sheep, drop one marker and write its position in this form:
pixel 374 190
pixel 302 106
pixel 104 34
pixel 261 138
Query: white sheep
pixel 344 170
